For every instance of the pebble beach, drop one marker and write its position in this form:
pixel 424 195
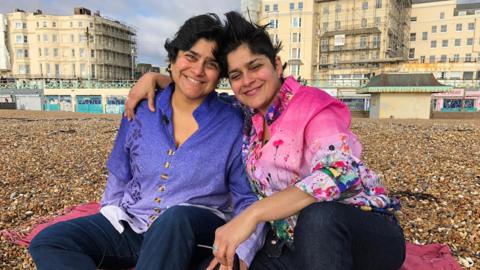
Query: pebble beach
pixel 53 160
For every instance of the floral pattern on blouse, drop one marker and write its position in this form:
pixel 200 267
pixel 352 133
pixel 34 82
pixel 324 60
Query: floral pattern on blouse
pixel 312 148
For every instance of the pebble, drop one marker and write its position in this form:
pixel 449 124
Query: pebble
pixel 431 165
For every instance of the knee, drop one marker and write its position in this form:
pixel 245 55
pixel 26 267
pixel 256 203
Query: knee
pixel 176 217
pixel 322 216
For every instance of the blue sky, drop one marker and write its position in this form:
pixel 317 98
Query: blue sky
pixel 155 20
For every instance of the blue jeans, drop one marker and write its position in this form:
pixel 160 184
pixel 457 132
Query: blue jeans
pixel 335 236
pixel 92 242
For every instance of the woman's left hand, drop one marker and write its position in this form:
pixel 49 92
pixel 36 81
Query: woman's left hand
pixel 229 236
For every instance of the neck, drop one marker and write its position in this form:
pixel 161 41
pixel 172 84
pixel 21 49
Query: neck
pixel 182 103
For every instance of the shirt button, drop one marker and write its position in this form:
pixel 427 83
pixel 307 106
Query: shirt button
pixel 167 165
pixel 152 217
pixel 158 200
pixel 157 210
pixel 161 188
pixel 274 242
pixel 164 176
pixel 170 152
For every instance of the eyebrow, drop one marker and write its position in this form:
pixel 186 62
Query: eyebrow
pixel 248 64
pixel 197 55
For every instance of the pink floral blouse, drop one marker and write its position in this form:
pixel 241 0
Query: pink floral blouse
pixel 312 148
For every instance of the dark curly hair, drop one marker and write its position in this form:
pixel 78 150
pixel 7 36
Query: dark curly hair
pixel 207 26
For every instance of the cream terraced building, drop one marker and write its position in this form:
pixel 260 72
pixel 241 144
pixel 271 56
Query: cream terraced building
pixel 78 46
pixel 445 40
pixel 343 39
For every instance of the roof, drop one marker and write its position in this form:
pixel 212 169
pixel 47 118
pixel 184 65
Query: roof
pixel 404 83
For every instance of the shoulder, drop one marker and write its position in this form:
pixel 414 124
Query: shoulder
pixel 229 111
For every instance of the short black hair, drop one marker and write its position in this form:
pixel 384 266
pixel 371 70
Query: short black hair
pixel 239 31
pixel 207 26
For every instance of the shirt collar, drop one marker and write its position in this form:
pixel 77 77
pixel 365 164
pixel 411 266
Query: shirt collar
pixel 202 113
pixel 289 87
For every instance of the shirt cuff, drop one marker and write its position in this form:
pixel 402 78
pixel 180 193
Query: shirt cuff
pixel 246 251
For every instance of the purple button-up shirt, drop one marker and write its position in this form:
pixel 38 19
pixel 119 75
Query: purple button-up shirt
pixel 148 174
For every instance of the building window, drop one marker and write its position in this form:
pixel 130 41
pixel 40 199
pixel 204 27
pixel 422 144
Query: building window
pixel 296 37
pixel 376 42
pixel 295 70
pixel 433 44
pixel 267 8
pixel 469 41
pixel 471 26
pixel 338 8
pixel 413 19
pixel 324 59
pixel 44 24
pixel 296 22
pixel 336 59
pixel 456 57
pixel 442 15
pixel 325 10
pixel 39 52
pixel 47 65
pixel 38 24
pixel 324 44
pixel 422 59
pixel 458 27
pixel 411 53
pixel 325 26
pixel 378 4
pixel 24 69
pixel 273 24
pixel 458 42
pixel 57 70
pixel 54 24
pixel 434 28
pixel 337 25
pixel 73 52
pixel 445 43
pixel 468 57
pixel 80 24
pixel 45 52
pixel 375 55
pixel 431 59
pixel 443 28
pixel 443 58
pixel 54 38
pixel 300 5
pixel 72 38
pixel 378 21
pixel 55 52
pixel 275 7
pixel 274 38
pixel 413 36
pixel 364 22
pixel 19 39
pixel 424 35
pixel 92 53
pixel 364 5
pixel 363 42
pixel 22 53
pixel 295 54
pixel 292 6
pixel 45 38
pixel 81 52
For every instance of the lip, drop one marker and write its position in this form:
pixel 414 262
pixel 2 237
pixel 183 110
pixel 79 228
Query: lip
pixel 252 91
pixel 192 80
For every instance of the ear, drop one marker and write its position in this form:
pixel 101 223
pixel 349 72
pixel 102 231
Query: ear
pixel 278 66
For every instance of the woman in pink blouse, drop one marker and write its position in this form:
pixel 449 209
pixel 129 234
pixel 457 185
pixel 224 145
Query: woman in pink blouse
pixel 326 209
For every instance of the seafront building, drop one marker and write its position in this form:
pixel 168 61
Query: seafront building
pixel 79 46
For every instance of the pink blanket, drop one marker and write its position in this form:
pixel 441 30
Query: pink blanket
pixel 419 257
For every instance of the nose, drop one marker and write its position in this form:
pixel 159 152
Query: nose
pixel 248 79
pixel 198 68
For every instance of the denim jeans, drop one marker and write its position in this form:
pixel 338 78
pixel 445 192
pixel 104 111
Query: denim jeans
pixel 92 242
pixel 335 236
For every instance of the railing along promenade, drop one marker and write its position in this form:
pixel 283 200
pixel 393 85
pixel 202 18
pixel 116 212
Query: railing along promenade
pixel 93 84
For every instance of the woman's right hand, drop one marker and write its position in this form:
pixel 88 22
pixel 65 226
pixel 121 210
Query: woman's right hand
pixel 144 89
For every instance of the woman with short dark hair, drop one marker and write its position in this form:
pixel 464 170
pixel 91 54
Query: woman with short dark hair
pixel 174 175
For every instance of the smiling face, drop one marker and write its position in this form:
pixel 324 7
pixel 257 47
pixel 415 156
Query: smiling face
pixel 254 80
pixel 195 72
